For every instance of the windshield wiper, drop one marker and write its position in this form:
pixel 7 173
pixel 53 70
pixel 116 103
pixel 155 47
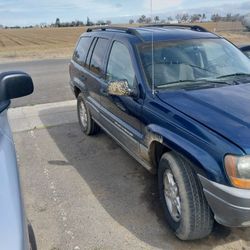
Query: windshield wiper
pixel 235 74
pixel 200 81
pixel 198 67
pixel 174 83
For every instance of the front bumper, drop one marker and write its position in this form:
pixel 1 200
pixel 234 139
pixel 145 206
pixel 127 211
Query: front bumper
pixel 231 206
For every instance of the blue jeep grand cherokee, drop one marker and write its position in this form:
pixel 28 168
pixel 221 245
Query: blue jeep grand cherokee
pixel 177 98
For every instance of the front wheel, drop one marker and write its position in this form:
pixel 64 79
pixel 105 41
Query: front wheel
pixel 185 207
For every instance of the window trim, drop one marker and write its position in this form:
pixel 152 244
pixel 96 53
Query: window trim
pixel 102 75
pixel 106 68
pixel 79 40
pixel 90 52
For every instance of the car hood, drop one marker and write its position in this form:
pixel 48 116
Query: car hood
pixel 225 110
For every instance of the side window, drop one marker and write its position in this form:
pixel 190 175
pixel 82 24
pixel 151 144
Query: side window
pixel 120 64
pixel 81 50
pixel 90 52
pixel 96 64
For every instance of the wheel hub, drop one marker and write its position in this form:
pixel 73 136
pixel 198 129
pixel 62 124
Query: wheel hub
pixel 171 194
pixel 83 114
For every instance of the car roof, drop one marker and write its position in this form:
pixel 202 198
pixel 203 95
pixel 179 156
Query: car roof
pixel 159 32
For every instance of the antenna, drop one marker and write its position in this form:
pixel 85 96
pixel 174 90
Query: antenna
pixel 152 43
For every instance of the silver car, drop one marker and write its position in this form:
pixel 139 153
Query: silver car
pixel 15 232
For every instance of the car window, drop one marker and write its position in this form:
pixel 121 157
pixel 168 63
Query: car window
pixel 4 105
pixel 98 55
pixel 120 64
pixel 90 52
pixel 81 50
pixel 247 53
pixel 192 61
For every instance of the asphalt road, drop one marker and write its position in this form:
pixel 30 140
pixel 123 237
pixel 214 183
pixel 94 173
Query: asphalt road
pixel 50 79
pixel 87 193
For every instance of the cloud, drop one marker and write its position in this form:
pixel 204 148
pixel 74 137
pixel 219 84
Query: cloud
pixel 25 12
pixel 161 5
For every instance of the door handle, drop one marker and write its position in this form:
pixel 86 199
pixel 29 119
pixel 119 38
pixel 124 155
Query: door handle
pixel 83 78
pixel 104 91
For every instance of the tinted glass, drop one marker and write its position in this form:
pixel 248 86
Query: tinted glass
pixel 90 52
pixel 96 64
pixel 120 65
pixel 247 53
pixel 81 50
pixel 179 63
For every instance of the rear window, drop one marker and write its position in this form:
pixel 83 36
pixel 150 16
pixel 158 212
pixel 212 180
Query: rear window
pixel 96 64
pixel 81 50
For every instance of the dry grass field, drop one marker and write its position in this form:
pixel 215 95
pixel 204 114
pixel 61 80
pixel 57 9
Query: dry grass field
pixel 21 44
pixel 36 43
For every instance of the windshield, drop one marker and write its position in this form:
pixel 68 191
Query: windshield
pixel 192 61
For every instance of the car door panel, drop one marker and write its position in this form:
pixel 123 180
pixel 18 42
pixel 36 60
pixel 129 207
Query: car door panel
pixel 95 74
pixel 121 115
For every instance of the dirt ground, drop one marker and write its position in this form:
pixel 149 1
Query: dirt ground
pixel 50 43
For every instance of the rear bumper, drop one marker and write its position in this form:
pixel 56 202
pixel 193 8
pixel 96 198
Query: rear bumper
pixel 231 206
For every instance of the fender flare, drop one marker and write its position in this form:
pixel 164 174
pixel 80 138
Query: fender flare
pixel 203 163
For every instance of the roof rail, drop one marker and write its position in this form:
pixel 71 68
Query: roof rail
pixel 181 26
pixel 117 28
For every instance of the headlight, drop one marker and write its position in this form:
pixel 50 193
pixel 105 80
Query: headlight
pixel 238 170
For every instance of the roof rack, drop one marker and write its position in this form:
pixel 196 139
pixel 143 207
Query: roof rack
pixel 181 26
pixel 114 28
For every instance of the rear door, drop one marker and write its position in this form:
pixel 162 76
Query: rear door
pixel 95 73
pixel 79 68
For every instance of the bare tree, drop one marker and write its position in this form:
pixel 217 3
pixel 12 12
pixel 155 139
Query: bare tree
pixel 131 21
pixel 185 17
pixel 57 23
pixel 203 16
pixel 216 18
pixel 142 19
pixel 156 19
pixel 195 18
pixel 148 20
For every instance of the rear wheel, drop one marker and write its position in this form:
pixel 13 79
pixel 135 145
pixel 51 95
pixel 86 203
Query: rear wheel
pixel 87 124
pixel 185 207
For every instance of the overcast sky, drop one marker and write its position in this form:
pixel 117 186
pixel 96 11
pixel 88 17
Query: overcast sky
pixel 26 12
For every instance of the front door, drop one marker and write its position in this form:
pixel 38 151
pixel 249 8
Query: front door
pixel 121 114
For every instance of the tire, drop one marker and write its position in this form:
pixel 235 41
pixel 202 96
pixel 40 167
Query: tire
pixel 190 217
pixel 87 124
pixel 32 238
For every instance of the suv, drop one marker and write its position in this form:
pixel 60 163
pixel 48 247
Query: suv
pixel 177 99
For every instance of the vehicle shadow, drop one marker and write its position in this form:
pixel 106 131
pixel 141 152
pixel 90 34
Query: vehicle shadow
pixel 126 191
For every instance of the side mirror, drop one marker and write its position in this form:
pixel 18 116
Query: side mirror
pixel 246 50
pixel 120 88
pixel 15 84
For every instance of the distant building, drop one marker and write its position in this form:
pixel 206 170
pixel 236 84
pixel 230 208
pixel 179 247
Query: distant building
pixel 173 22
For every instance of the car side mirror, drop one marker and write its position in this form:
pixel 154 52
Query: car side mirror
pixel 246 50
pixel 15 84
pixel 120 88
